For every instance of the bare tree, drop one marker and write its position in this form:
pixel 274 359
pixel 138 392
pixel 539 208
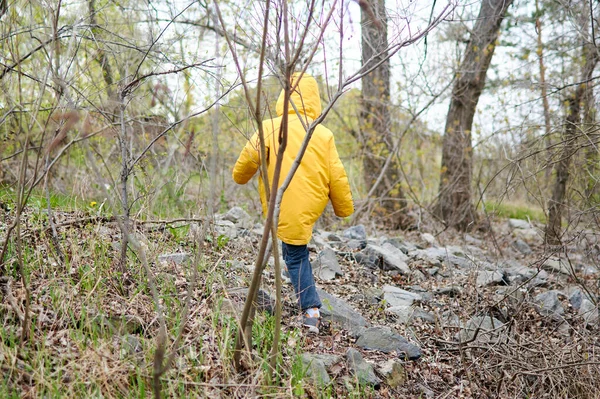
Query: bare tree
pixel 572 125
pixel 375 135
pixel 454 205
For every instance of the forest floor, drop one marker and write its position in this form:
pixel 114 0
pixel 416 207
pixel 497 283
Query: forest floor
pixel 93 328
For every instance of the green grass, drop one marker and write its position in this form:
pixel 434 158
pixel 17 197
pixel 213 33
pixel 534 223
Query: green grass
pixel 37 200
pixel 516 210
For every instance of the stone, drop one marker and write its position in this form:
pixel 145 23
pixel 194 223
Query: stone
pixel 361 369
pixel 393 373
pixel 576 298
pixel 548 304
pixel 355 233
pixel 530 236
pixel 395 296
pixel 333 237
pixel 417 275
pixel 177 258
pixel 338 311
pixel 356 244
pixel 518 274
pixel 408 314
pixel 589 312
pixel 486 278
pixel 429 239
pixel 405 247
pixel 319 242
pixel 393 258
pixel 460 262
pixel 518 224
pixel 132 346
pixel 315 369
pixel 225 228
pixel 239 217
pixel 385 340
pixel 556 265
pixel 264 301
pixel 326 266
pixel 522 247
pixel 489 330
pixel 404 313
pixel 370 261
pixel 452 291
pixel 372 295
pixel 473 241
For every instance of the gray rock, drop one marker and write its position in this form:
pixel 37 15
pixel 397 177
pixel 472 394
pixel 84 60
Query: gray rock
pixel 557 265
pixel 432 271
pixel 264 301
pixel 530 236
pixel 225 228
pixel 319 242
pixel 460 262
pixel 315 369
pixel 518 224
pixel 452 291
pixel 239 217
pixel 327 359
pixel 333 237
pixel 393 258
pixel 486 278
pixel 338 311
pixel 522 247
pixel 132 346
pixel 518 274
pixel 385 340
pixel 370 261
pixel 362 370
pixel 576 298
pixel 395 296
pixel 429 239
pixel 356 244
pixel 405 247
pixel 589 312
pixel 417 275
pixel 404 313
pixel 177 258
pixel 473 241
pixel 355 233
pixel 326 265
pixel 450 319
pixel 548 304
pixel 589 270
pixel 393 373
pixel 408 314
pixel 489 330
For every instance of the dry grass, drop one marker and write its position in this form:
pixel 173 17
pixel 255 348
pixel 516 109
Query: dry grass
pixel 94 331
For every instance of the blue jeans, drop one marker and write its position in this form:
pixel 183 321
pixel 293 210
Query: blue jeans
pixel 300 270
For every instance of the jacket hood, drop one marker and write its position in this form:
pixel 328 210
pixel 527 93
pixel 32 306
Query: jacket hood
pixel 306 97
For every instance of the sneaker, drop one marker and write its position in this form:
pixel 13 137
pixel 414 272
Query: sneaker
pixel 311 323
pixel 285 275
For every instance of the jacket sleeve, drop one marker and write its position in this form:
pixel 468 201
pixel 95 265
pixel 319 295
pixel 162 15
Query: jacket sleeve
pixel 248 161
pixel 339 188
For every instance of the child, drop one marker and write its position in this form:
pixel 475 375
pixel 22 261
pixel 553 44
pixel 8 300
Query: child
pixel 320 177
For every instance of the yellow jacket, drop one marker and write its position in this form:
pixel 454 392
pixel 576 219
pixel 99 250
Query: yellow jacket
pixel 320 176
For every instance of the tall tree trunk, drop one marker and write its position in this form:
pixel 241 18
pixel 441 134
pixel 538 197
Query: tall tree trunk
pixel 375 128
pixel 572 125
pixel 455 206
pixel 543 84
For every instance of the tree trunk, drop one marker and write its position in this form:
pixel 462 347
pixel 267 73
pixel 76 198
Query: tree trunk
pixel 375 128
pixel 455 206
pixel 572 126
